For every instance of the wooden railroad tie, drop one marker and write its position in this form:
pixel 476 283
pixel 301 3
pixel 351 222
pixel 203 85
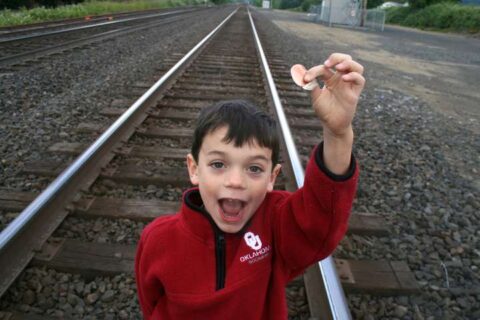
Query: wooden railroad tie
pixel 137 152
pixel 381 277
pixel 156 132
pixel 169 111
pixel 193 80
pixel 129 173
pixel 146 210
pixel 94 259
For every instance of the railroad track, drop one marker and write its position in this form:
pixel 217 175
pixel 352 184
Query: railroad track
pixel 47 26
pixel 135 172
pixel 17 48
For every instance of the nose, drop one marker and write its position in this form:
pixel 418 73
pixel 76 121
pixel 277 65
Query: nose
pixel 235 179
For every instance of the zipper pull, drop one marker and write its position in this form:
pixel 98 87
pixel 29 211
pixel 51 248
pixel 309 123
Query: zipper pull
pixel 221 239
pixel 220 257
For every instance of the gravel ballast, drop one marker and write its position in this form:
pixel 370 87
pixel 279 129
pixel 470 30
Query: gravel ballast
pixel 419 169
pixel 43 103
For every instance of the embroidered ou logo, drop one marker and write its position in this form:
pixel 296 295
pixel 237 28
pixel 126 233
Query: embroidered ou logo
pixel 252 240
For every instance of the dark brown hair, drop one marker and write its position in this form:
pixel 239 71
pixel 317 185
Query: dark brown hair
pixel 245 122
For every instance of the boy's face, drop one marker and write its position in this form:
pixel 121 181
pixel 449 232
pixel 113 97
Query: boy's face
pixel 233 181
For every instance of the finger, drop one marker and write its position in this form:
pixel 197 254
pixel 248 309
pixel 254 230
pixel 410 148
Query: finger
pixel 311 85
pixel 349 66
pixel 319 71
pixel 354 78
pixel 336 58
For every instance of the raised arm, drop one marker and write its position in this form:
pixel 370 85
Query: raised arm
pixel 309 224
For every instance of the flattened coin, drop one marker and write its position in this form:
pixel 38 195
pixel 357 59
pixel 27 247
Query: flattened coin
pixel 298 72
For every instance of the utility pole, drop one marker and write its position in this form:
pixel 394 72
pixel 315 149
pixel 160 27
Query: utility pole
pixel 364 13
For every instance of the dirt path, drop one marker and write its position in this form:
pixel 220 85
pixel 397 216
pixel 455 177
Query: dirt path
pixel 441 69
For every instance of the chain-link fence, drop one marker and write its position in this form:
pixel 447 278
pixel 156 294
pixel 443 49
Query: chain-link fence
pixel 375 19
pixel 314 13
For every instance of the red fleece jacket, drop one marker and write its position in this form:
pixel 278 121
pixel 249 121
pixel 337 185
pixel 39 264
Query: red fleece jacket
pixel 186 268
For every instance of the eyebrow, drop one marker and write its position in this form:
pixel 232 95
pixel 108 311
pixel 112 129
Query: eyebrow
pixel 220 153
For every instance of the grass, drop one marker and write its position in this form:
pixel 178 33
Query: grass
pixel 441 16
pixel 88 8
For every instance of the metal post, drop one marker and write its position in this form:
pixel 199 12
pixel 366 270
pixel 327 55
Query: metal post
pixel 330 14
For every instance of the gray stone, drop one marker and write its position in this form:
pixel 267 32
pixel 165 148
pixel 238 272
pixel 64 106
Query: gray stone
pixel 79 287
pixel 400 311
pixel 91 298
pixel 123 314
pixel 108 296
pixel 29 297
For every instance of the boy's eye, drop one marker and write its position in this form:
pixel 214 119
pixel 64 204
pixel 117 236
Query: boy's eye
pixel 217 165
pixel 255 169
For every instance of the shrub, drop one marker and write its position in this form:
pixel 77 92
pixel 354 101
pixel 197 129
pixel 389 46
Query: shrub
pixel 307 3
pixel 286 4
pixel 397 15
pixel 373 3
pixel 445 16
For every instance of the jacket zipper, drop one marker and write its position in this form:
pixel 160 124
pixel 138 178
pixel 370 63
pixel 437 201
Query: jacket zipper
pixel 220 259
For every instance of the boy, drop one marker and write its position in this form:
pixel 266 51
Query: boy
pixel 236 243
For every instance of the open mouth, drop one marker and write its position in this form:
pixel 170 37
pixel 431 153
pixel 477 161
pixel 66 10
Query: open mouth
pixel 231 209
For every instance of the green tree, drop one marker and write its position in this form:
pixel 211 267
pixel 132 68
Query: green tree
pixel 307 3
pixel 374 3
pixel 17 4
pixel 286 4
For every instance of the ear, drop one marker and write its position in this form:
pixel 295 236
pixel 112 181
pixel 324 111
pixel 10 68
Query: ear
pixel 273 176
pixel 192 169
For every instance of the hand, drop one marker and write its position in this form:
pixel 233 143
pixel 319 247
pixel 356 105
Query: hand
pixel 336 102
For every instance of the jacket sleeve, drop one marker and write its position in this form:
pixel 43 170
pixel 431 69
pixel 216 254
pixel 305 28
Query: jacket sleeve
pixel 149 287
pixel 309 223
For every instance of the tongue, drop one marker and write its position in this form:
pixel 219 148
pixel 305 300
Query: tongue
pixel 231 207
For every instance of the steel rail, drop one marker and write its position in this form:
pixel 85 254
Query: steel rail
pixel 337 303
pixel 11 237
pixel 100 24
